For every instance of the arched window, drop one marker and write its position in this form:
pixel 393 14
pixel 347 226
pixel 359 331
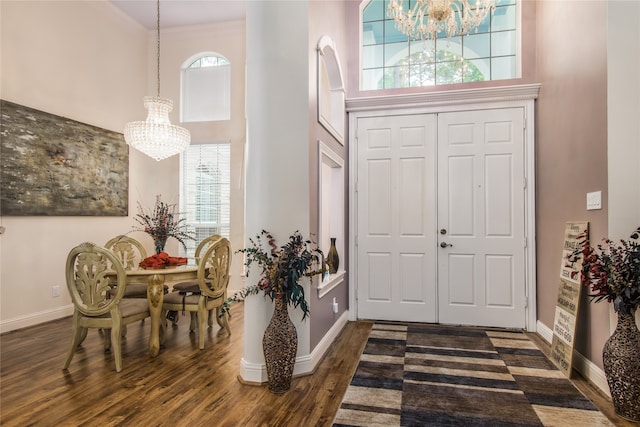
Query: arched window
pixel 390 60
pixel 206 88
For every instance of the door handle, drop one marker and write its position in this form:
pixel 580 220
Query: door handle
pixel 445 244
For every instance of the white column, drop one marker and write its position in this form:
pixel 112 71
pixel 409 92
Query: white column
pixel 623 111
pixel 277 159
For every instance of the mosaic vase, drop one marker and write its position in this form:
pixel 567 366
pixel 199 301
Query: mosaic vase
pixel 621 357
pixel 159 244
pixel 279 345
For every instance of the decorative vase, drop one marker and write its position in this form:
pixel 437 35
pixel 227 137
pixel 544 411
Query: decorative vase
pixel 333 258
pixel 159 244
pixel 621 357
pixel 279 345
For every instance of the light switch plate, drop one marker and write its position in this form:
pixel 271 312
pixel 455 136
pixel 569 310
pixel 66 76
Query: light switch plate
pixel 594 200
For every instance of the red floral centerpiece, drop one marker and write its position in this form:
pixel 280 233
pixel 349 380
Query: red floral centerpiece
pixel 162 260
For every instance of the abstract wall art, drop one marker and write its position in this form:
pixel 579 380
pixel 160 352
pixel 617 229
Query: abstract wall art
pixel 54 166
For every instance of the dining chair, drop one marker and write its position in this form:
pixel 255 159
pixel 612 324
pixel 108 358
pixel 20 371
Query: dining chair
pixel 129 252
pixel 95 305
pixel 211 291
pixel 190 285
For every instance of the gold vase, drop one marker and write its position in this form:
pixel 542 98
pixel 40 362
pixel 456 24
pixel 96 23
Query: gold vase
pixel 621 357
pixel 332 257
pixel 279 345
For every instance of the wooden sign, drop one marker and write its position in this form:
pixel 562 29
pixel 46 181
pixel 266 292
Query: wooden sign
pixel 564 322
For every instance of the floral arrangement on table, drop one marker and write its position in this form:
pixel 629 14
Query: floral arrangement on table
pixel 613 271
pixel 281 268
pixel 161 223
pixel 162 260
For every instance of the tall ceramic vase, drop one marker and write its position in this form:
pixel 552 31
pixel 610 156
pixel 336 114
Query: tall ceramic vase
pixel 621 357
pixel 279 345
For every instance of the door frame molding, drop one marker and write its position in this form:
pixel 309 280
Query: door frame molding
pixel 522 96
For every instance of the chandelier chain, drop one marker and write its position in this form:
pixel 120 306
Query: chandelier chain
pixel 157 137
pixel 158 47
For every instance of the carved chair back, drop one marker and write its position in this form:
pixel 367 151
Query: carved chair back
pixel 128 250
pixel 92 293
pixel 213 268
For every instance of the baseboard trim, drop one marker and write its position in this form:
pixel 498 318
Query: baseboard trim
pixel 35 318
pixel 587 368
pixel 252 373
pixel 256 373
pixel 307 364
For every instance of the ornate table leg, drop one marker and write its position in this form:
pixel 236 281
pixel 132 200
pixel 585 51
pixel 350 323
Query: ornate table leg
pixel 155 295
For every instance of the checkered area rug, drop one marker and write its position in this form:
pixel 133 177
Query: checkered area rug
pixel 434 375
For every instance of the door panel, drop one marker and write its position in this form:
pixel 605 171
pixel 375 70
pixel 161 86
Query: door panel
pixel 481 274
pixel 378 197
pixel 396 182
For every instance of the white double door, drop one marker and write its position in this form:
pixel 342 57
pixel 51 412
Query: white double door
pixel 440 221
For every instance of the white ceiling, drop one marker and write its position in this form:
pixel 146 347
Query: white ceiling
pixel 178 13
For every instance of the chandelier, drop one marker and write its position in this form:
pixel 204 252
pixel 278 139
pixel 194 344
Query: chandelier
pixel 157 137
pixel 429 17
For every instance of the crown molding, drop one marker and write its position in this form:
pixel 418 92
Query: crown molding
pixel 451 97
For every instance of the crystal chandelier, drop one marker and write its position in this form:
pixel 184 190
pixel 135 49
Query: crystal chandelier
pixel 429 17
pixel 157 137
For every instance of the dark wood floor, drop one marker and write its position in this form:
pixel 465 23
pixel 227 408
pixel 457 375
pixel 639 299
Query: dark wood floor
pixel 183 386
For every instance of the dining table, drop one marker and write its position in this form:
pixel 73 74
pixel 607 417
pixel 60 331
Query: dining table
pixel 155 278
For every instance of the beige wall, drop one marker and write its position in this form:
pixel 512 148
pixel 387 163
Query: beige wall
pixel 59 57
pixel 87 61
pixel 571 141
pixel 179 45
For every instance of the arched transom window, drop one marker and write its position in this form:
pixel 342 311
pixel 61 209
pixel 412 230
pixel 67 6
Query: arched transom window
pixel 206 88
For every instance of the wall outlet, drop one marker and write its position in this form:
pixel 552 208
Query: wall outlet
pixel 55 291
pixel 594 200
pixel 334 305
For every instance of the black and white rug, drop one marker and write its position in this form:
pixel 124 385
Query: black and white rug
pixel 434 375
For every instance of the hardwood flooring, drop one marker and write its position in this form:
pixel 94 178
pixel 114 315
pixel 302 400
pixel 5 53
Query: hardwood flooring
pixel 602 401
pixel 183 386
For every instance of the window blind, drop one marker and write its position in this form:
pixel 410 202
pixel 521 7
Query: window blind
pixel 206 93
pixel 206 191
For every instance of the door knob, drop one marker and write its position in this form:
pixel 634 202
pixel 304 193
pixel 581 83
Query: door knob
pixel 445 244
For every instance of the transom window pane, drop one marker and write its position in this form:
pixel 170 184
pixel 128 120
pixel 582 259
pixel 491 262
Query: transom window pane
pixel 391 60
pixel 209 61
